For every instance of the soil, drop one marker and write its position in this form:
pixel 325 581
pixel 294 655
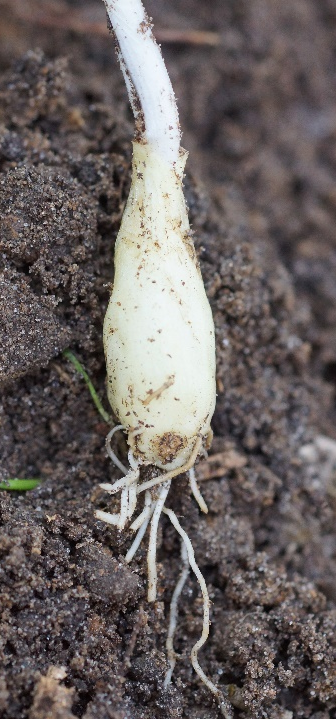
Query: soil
pixel 258 110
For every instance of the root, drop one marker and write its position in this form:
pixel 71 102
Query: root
pixel 140 523
pixel 151 556
pixel 196 492
pixel 174 472
pixel 107 517
pixel 123 508
pixel 131 476
pixel 173 613
pixel 224 704
pixel 128 500
pixel 145 514
pixel 151 514
pixel 138 539
pixel 132 501
pixel 153 507
pixel 132 462
pixel 109 450
pixel 128 503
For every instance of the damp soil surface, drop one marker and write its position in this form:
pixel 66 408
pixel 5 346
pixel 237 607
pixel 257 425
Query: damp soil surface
pixel 256 89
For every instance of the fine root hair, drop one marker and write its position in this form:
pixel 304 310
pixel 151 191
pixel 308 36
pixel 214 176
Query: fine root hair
pixel 224 704
pixel 173 614
pixel 151 556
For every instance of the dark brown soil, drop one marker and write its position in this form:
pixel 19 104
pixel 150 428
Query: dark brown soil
pixel 77 637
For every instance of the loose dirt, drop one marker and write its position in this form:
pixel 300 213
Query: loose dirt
pixel 258 107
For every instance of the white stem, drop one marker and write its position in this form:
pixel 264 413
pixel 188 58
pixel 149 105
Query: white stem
pixel 206 613
pixel 151 556
pixel 146 77
pixel 196 492
pixel 173 614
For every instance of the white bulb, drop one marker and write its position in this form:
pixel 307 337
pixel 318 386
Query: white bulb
pixel 158 332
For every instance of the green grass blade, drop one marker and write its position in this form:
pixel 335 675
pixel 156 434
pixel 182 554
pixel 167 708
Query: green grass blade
pixel 20 485
pixel 76 363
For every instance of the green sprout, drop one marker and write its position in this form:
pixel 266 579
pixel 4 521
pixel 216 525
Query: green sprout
pixel 19 485
pixel 76 363
pixel 16 484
